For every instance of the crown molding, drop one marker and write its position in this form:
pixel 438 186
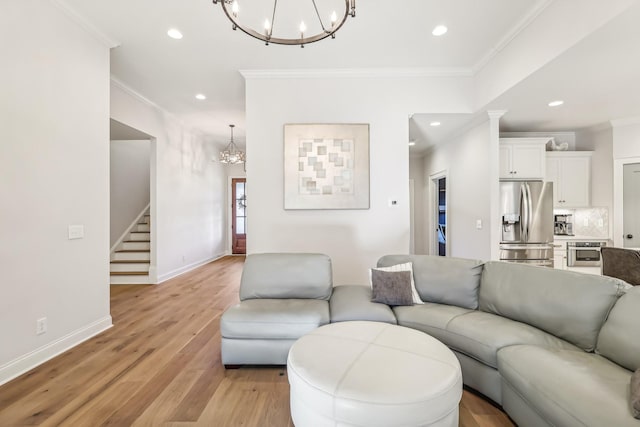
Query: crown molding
pixel 629 121
pixel 358 73
pixel 120 84
pixel 523 23
pixel 85 24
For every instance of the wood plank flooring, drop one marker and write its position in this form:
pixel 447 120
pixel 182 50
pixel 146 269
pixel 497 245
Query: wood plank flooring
pixel 160 366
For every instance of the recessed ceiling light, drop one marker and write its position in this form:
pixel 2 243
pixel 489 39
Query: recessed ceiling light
pixel 434 124
pixel 412 143
pixel 201 96
pixel 439 30
pixel 556 103
pixel 174 34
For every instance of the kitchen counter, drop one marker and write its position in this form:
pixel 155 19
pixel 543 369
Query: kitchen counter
pixel 581 238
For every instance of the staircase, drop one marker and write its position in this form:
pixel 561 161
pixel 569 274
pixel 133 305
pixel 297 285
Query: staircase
pixel 131 259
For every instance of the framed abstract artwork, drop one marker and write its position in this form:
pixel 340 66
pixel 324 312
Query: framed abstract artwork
pixel 326 166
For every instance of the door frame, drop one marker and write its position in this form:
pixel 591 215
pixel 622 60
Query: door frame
pixel 230 210
pixel 618 219
pixel 433 216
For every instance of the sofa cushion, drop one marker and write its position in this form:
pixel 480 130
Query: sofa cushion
pixel 619 338
pixel 571 306
pixel 474 333
pixel 568 388
pixel 444 280
pixel 353 302
pixel 429 317
pixel 391 287
pixel 274 318
pixel 286 275
pixel 481 335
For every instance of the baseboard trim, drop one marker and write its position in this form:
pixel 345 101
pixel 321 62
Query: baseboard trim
pixel 177 272
pixel 25 363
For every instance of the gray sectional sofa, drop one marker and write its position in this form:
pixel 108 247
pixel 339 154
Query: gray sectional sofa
pixel 554 348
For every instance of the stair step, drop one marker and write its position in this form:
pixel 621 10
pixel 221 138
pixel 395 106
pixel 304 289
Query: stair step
pixel 139 236
pixel 140 245
pixel 129 273
pixel 131 267
pixel 137 241
pixel 130 261
pixel 133 250
pixel 143 228
pixel 129 279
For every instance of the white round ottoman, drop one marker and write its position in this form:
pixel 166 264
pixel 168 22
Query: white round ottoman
pixel 372 374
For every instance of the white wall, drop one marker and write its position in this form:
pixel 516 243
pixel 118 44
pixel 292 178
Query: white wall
pixel 354 239
pixel 129 178
pixel 626 138
pixel 466 158
pixel 560 25
pixel 188 189
pixel 54 172
pixel 600 141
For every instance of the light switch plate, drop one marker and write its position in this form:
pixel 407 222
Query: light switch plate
pixel 76 232
pixel 479 224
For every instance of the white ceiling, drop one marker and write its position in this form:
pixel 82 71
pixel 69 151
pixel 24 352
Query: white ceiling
pixel 597 78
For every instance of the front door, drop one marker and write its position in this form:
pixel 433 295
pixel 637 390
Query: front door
pixel 239 216
pixel 631 205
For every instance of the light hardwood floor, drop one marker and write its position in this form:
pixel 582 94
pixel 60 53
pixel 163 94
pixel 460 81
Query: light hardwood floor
pixel 160 366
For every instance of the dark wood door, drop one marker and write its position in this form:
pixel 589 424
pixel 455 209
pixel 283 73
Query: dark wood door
pixel 239 216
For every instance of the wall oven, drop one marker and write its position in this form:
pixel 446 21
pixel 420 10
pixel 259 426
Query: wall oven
pixel 584 254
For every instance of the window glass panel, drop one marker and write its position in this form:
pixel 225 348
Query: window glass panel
pixel 240 225
pixel 239 190
pixel 240 210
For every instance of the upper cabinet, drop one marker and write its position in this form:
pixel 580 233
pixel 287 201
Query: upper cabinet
pixel 522 158
pixel 570 172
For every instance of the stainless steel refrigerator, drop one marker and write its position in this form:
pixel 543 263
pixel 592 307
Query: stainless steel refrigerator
pixel 527 222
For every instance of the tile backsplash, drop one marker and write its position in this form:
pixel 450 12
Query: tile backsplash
pixel 592 222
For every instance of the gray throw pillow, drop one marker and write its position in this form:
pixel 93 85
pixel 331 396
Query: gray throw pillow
pixel 635 394
pixel 391 287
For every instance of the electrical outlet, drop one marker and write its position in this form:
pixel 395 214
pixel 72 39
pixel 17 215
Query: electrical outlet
pixel 41 326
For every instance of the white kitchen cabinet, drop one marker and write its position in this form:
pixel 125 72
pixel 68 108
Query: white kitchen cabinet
pixel 560 254
pixel 522 158
pixel 570 172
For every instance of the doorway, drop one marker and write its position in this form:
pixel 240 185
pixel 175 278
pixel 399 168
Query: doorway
pixel 238 216
pixel 631 205
pixel 439 191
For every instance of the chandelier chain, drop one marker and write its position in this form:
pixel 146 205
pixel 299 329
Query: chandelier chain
pixel 273 17
pixel 318 14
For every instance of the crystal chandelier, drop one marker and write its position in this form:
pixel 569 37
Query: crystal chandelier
pixel 231 154
pixel 232 10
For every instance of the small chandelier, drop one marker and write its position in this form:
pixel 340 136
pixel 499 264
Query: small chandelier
pixel 231 154
pixel 232 10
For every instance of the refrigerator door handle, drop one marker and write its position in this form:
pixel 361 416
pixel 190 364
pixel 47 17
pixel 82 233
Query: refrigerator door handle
pixel 524 208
